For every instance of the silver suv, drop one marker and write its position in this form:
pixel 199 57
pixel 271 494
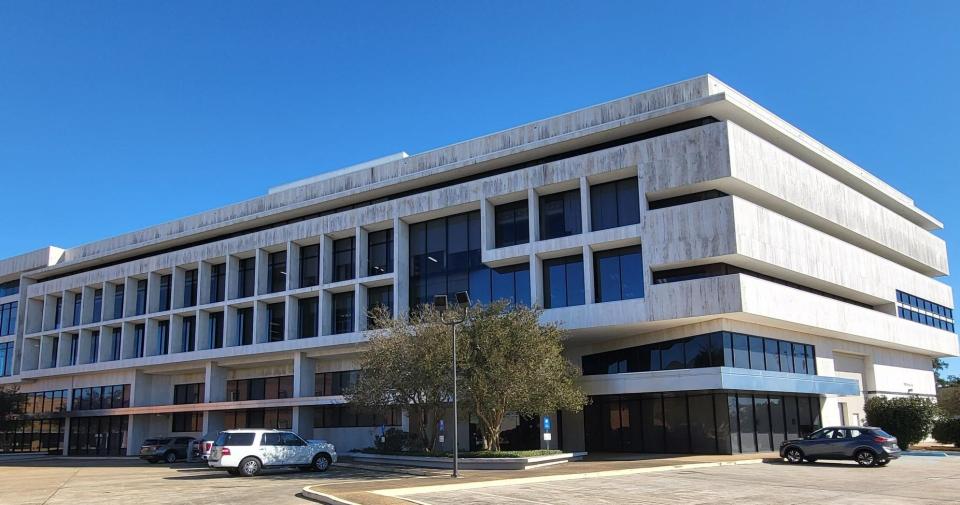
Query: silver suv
pixel 247 452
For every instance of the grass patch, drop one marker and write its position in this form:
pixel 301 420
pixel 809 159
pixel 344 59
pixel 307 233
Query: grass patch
pixel 471 454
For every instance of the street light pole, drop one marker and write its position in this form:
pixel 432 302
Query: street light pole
pixel 440 302
pixel 456 428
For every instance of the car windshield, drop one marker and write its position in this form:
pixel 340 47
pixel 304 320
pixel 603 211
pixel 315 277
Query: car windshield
pixel 816 434
pixel 156 441
pixel 234 439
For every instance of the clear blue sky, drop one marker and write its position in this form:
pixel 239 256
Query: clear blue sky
pixel 119 115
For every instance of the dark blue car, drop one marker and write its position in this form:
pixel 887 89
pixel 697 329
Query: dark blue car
pixel 866 445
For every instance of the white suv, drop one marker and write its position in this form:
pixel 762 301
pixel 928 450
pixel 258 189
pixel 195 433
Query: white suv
pixel 246 452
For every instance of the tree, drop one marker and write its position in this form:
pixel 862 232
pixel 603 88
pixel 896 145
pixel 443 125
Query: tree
pixel 907 418
pixel 10 409
pixel 407 363
pixel 948 398
pixel 947 431
pixel 513 363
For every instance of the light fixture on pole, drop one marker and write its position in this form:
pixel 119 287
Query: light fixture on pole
pixel 440 303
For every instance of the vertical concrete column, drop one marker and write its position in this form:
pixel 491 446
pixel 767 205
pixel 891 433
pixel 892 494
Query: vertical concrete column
pixel 585 205
pixel 138 427
pixel 487 225
pixel 215 383
pixel 109 290
pixel 588 277
pixel 261 283
pixel 153 292
pixel 360 304
pixel 293 265
pixel 177 281
pixel 261 323
pixel 291 331
pixel 304 370
pixel 326 259
pixel 233 277
pixel 129 296
pixel 533 219
pixel 536 281
pixel 360 251
pixel 401 258
pixel 204 273
pixel 86 305
pixel 66 433
pixel 214 390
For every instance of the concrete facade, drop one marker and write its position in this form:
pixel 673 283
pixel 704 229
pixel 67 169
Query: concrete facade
pixel 822 249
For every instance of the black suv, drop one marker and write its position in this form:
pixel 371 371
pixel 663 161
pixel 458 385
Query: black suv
pixel 168 449
pixel 866 445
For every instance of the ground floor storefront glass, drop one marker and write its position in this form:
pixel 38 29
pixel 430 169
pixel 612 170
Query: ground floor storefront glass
pixel 698 422
pixel 98 436
pixel 517 433
pixel 34 435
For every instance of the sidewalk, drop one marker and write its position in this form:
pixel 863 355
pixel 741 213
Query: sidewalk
pixel 419 480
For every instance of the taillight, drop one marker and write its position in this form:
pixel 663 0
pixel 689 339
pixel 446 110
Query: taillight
pixel 881 439
pixel 225 451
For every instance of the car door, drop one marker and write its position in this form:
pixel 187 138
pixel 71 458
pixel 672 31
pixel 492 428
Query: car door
pixel 297 450
pixel 837 445
pixel 271 449
pixel 818 446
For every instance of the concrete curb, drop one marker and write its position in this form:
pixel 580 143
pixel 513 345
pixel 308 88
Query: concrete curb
pixel 934 454
pixel 326 499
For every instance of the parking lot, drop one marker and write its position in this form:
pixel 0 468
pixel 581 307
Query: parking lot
pixel 910 480
pixel 121 482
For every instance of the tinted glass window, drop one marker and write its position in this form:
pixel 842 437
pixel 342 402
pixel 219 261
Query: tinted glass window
pixel 342 312
pixel 308 308
pixel 380 252
pixel 560 214
pixel 512 224
pixel 234 439
pixel 246 277
pixel 618 274
pixel 277 271
pixel 309 265
pixel 756 353
pixel 614 204
pixel 563 282
pixel 344 257
pixel 771 355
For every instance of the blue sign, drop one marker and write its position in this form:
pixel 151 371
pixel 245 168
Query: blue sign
pixel 441 426
pixel 546 423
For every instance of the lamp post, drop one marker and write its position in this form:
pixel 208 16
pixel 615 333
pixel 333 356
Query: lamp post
pixel 440 303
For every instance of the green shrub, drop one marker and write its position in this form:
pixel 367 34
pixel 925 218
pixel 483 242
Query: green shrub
pixel 907 418
pixel 947 431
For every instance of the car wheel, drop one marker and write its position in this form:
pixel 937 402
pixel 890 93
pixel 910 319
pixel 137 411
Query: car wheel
pixel 170 457
pixel 794 455
pixel 321 463
pixel 249 467
pixel 865 457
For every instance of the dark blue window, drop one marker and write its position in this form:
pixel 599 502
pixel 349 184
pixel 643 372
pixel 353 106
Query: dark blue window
pixel 560 214
pixel 618 274
pixel 614 204
pixel 563 282
pixel 445 259
pixel 512 225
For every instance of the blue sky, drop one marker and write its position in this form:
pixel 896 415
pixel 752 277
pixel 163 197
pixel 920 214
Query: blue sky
pixel 119 115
